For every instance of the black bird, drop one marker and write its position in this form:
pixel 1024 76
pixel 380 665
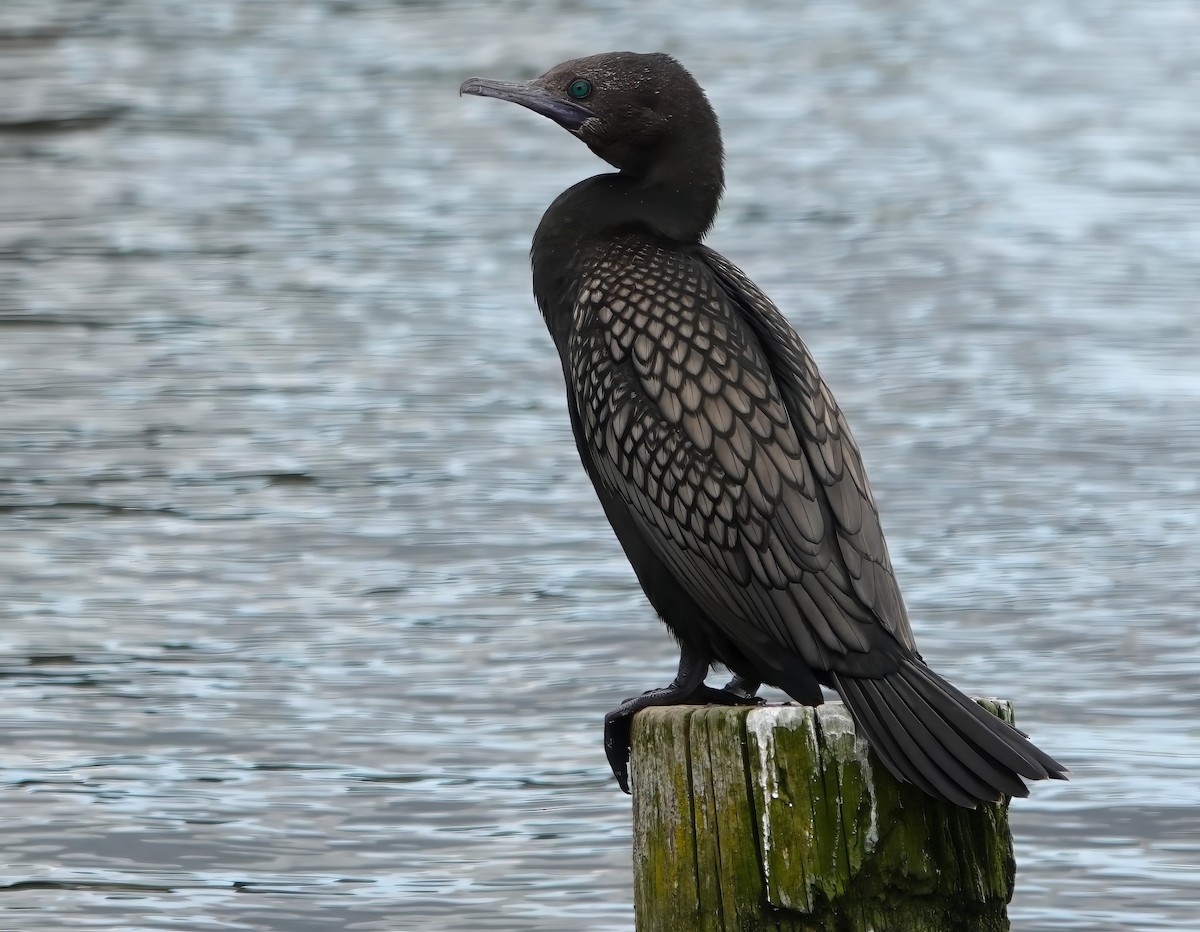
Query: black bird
pixel 723 463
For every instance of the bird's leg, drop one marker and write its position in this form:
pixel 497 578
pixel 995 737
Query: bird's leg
pixel 743 688
pixel 686 689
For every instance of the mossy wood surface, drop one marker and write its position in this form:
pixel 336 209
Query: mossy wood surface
pixel 774 818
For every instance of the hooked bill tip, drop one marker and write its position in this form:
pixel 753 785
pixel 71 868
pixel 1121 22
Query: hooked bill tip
pixel 489 87
pixel 469 86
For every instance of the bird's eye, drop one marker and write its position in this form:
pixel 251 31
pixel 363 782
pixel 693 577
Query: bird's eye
pixel 580 88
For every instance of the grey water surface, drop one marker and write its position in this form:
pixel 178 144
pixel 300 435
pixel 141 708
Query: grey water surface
pixel 308 616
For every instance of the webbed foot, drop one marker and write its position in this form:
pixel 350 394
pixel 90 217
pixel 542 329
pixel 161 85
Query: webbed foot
pixel 687 688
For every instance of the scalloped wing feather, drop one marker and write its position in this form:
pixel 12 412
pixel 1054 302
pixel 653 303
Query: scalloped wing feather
pixel 717 454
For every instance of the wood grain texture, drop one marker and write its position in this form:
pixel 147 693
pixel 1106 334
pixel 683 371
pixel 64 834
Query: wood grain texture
pixel 779 818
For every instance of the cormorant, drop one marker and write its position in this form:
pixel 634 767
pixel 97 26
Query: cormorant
pixel 721 459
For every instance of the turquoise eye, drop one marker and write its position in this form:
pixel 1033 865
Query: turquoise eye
pixel 580 88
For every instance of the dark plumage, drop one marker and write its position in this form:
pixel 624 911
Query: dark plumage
pixel 718 452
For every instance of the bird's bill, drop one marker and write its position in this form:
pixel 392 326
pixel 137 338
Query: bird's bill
pixel 566 113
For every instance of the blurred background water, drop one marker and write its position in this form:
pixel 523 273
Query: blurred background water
pixel 310 618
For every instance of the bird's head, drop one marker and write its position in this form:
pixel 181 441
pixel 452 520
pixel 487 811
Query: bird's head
pixel 635 111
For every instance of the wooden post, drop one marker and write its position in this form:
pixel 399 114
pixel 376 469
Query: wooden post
pixel 775 818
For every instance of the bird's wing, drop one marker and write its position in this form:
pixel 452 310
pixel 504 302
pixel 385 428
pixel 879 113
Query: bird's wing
pixel 829 446
pixel 685 421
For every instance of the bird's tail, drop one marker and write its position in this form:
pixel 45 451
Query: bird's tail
pixel 929 734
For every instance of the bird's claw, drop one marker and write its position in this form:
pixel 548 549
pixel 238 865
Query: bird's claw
pixel 618 724
pixel 618 731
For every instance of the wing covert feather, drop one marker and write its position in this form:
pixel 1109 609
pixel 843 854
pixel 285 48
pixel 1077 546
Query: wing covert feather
pixel 830 448
pixel 686 419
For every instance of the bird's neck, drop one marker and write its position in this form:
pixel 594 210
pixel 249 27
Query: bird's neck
pixel 677 207
pixel 681 188
pixel 585 216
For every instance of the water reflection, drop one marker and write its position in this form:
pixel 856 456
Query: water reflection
pixel 310 617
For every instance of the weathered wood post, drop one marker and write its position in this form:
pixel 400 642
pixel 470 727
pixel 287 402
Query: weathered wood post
pixel 773 818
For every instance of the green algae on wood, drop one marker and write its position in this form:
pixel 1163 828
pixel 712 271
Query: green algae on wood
pixel 778 818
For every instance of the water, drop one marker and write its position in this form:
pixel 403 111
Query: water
pixel 310 618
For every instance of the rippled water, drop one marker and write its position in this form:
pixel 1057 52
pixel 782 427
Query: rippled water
pixel 309 616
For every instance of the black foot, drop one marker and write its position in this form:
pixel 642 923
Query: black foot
pixel 687 689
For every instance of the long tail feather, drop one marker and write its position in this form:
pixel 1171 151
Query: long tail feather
pixel 929 734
